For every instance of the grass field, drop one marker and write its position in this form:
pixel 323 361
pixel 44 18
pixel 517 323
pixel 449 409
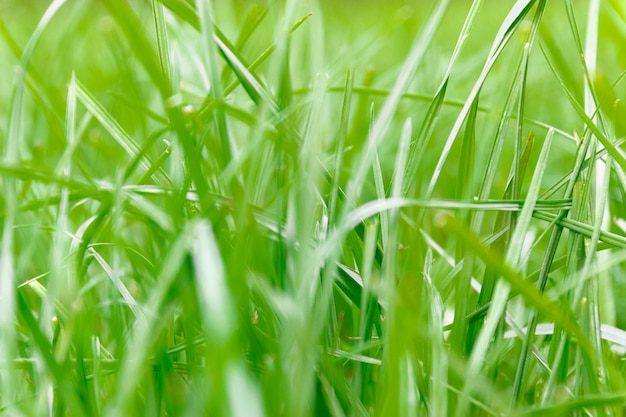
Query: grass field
pixel 320 207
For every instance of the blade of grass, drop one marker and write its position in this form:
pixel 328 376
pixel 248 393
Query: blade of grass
pixel 379 185
pixel 341 142
pixel 162 41
pixel 130 301
pixel 598 402
pixel 61 287
pixel 418 146
pixel 185 10
pixel 438 398
pixel 207 28
pixel 368 308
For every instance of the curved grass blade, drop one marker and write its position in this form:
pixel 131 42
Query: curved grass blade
pixel 207 29
pixel 162 41
pixel 597 402
pixel 341 141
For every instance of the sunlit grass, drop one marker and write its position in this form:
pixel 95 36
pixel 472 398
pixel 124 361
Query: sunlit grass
pixel 312 208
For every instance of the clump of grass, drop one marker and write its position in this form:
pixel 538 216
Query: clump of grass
pixel 287 208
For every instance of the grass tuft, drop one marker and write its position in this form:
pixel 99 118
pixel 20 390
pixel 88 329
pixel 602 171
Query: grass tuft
pixel 270 208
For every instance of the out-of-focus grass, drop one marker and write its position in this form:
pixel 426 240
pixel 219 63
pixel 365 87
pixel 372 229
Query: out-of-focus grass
pixel 312 208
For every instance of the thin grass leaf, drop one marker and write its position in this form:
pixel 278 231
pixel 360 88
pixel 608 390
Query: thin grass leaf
pixel 379 184
pixel 583 229
pixel 42 292
pixel 346 106
pixel 61 286
pixel 162 40
pixel 114 277
pixel 596 402
pixel 468 25
pixel 517 90
pixel 368 303
pixel 226 144
pixel 515 246
pixel 464 187
pixel 185 10
pixel 418 146
pixel 437 396
pixel 213 289
pixel 330 397
pixel 402 158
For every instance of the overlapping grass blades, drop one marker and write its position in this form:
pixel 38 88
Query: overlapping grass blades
pixel 244 217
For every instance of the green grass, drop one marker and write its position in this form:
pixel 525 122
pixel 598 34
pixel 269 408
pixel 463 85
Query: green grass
pixel 333 208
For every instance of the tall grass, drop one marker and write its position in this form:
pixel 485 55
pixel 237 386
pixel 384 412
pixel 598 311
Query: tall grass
pixel 312 208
